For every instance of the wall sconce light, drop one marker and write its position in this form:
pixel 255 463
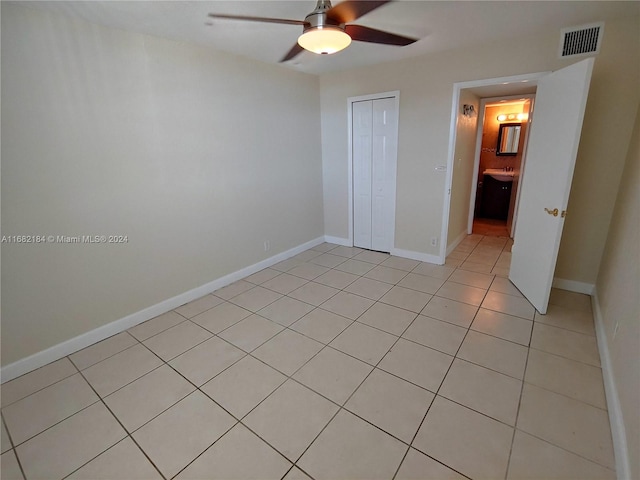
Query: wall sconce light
pixel 468 110
pixel 511 117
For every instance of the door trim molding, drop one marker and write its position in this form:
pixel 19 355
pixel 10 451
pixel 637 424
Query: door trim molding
pixel 395 94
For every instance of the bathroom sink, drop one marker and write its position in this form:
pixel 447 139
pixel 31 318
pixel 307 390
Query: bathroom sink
pixel 499 174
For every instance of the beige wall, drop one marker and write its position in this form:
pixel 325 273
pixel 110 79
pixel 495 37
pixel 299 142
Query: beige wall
pixel 426 86
pixel 617 294
pixel 462 177
pixel 197 156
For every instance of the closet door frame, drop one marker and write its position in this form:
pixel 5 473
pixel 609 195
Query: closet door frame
pixel 395 95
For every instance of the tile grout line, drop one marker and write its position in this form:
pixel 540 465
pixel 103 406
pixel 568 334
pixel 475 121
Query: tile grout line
pixel 128 434
pixel 340 407
pixel 376 367
pixel 13 447
pixel 515 426
pixel 40 389
pixel 198 388
pixel 239 421
pixel 434 399
pixel 288 327
pixel 440 386
pixel 521 380
pixel 164 362
pixel 435 395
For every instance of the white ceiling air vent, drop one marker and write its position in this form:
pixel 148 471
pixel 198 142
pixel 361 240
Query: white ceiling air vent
pixel 581 40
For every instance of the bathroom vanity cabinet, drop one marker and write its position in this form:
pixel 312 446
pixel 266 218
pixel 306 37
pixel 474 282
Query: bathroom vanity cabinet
pixel 496 196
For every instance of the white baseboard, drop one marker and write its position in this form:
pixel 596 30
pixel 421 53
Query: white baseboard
pixel 345 242
pixel 398 252
pixel 616 420
pixel 456 242
pixel 422 257
pixel 573 286
pixel 72 345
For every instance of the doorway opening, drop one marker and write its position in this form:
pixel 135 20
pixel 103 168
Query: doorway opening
pixel 490 227
pixel 503 129
pixel 465 140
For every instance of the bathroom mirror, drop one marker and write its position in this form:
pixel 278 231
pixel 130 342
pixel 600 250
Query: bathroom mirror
pixel 508 139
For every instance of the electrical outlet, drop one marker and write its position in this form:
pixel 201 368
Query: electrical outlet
pixel 434 241
pixel 267 245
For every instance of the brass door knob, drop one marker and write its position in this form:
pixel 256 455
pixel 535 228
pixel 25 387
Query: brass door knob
pixel 553 212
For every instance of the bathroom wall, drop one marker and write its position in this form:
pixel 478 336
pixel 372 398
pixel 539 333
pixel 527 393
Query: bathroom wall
pixel 488 157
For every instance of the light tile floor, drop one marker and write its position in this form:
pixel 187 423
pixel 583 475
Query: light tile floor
pixel 338 363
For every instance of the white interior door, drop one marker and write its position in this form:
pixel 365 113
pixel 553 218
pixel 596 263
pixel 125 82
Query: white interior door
pixel 551 155
pixel 375 131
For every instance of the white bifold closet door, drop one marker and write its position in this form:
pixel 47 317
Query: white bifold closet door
pixel 374 141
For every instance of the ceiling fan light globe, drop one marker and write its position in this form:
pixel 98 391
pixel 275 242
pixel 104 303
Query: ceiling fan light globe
pixel 325 40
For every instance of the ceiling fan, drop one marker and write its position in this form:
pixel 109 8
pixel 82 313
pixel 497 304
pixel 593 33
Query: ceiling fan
pixel 328 29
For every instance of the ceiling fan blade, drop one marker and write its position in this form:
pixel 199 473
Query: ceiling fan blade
pixel 295 50
pixel 257 19
pixel 350 10
pixel 371 35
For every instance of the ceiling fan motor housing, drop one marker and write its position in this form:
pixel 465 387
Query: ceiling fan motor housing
pixel 318 18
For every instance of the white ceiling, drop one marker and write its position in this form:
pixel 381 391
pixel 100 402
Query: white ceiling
pixel 441 26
